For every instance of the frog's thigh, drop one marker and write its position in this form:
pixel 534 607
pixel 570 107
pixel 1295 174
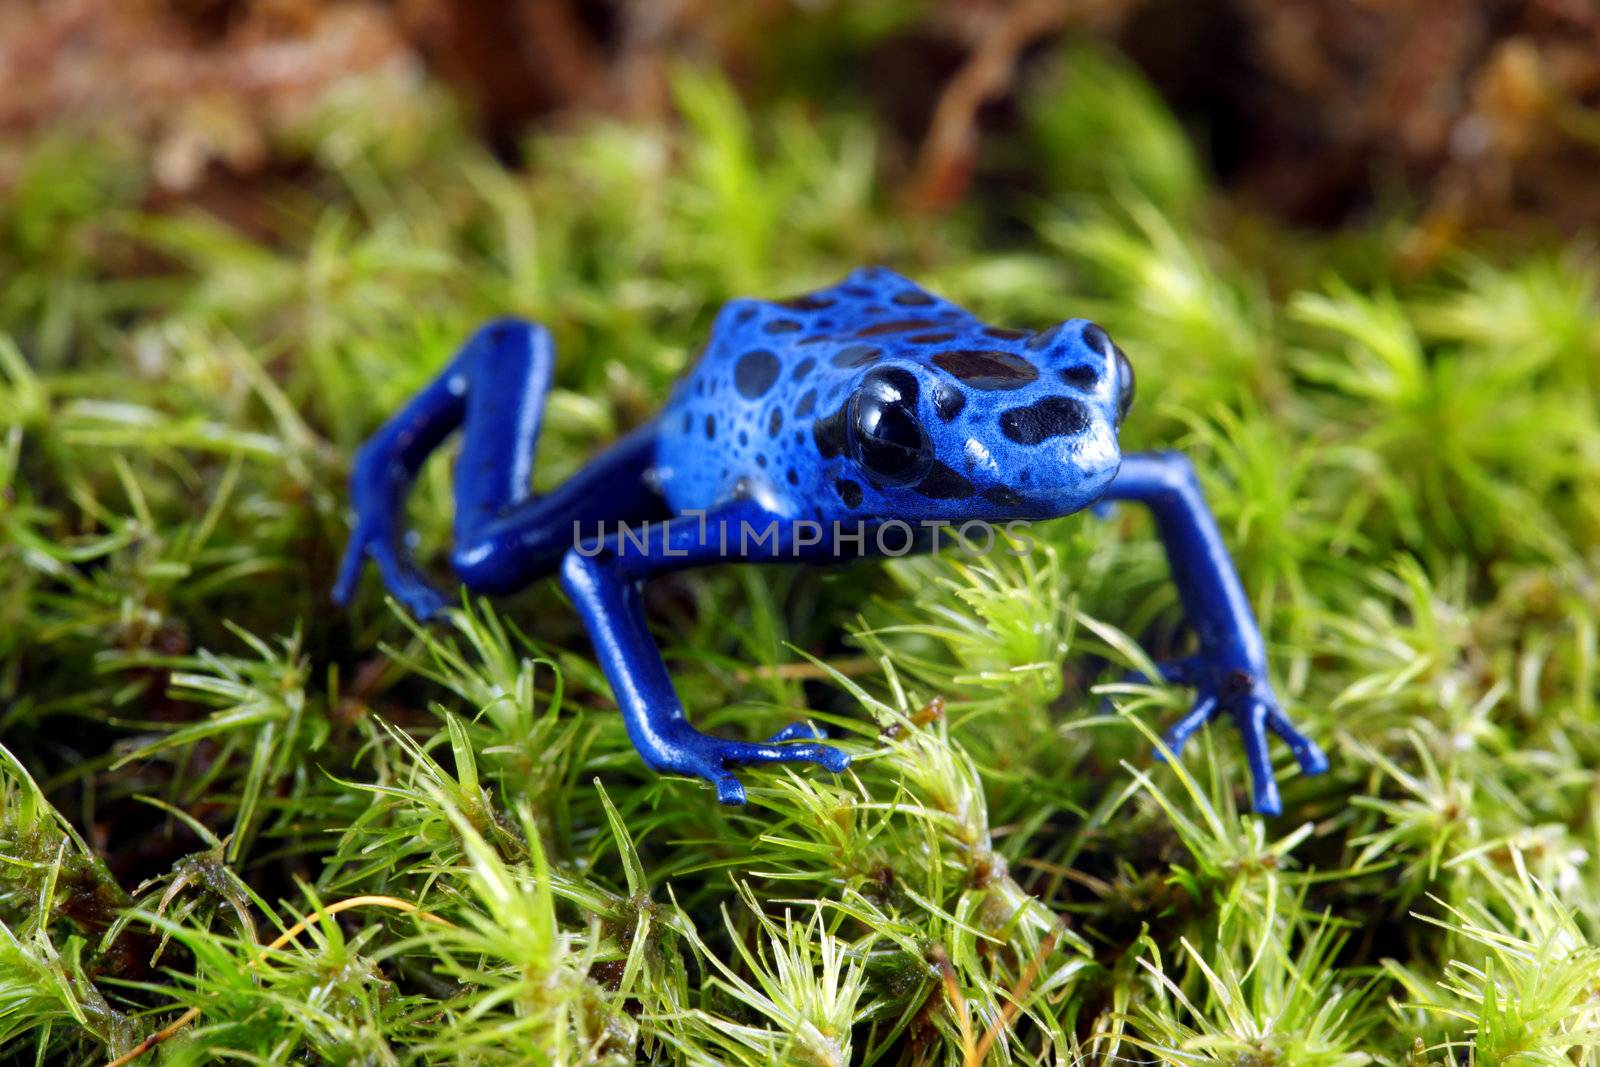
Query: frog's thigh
pixel 498 553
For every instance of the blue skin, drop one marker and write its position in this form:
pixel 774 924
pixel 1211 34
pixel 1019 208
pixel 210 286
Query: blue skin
pixel 865 403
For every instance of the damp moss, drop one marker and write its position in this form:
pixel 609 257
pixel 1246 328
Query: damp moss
pixel 207 761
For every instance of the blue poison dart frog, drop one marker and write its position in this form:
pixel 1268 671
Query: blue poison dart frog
pixel 808 428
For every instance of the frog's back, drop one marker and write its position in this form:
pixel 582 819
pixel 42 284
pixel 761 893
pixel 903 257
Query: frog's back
pixel 853 401
pixel 740 423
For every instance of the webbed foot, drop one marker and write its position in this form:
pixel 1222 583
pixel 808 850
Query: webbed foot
pixel 375 541
pixel 1243 693
pixel 688 751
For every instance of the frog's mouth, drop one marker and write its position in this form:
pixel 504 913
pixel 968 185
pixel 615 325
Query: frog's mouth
pixel 1064 472
pixel 1093 460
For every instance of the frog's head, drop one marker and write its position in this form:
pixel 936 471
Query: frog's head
pixel 1024 429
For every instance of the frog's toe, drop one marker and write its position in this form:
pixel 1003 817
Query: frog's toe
pixel 402 579
pixel 710 758
pixel 1178 733
pixel 1171 672
pixel 407 585
pixel 1185 671
pixel 832 759
pixel 1253 732
pixel 766 752
pixel 1307 753
pixel 730 790
pixel 344 586
pixel 424 602
pixel 1266 800
pixel 798 731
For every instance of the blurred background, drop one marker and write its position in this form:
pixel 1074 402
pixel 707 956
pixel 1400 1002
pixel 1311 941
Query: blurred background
pixel 1315 110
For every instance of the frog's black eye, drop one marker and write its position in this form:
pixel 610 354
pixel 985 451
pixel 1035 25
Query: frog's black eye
pixel 887 439
pixel 1125 384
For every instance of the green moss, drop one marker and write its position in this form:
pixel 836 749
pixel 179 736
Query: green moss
pixel 1408 471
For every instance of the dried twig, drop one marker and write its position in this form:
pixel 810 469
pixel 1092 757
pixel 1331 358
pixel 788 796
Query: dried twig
pixel 948 153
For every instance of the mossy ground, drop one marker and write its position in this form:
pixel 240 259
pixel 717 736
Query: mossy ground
pixel 206 756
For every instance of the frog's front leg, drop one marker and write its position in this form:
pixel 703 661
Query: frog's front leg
pixel 606 583
pixel 1229 672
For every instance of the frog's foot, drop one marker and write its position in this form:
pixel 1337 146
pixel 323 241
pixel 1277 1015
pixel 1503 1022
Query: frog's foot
pixel 1169 672
pixel 798 731
pixel 709 757
pixel 1172 672
pixel 1245 695
pixel 376 541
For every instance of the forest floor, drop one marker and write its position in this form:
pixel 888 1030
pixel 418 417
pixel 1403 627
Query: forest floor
pixel 206 763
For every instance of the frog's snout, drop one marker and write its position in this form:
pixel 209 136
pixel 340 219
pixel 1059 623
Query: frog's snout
pixel 1118 371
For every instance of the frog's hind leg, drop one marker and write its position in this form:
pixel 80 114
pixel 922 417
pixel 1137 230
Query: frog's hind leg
pixel 494 390
pixel 499 549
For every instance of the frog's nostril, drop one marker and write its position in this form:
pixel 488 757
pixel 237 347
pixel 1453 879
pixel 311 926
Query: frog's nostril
pixel 1097 339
